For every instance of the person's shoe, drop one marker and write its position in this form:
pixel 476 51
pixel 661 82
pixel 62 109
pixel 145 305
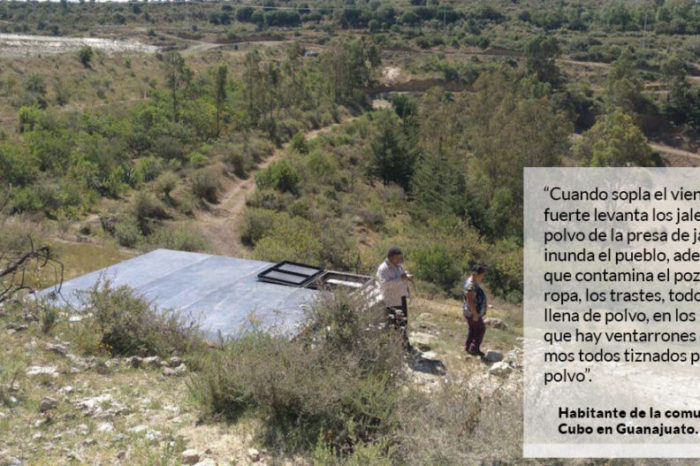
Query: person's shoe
pixel 472 352
pixel 413 354
pixel 480 353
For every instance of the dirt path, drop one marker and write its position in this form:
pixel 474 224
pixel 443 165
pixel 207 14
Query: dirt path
pixel 677 157
pixel 592 64
pixel 673 151
pixel 196 46
pixel 674 156
pixel 221 225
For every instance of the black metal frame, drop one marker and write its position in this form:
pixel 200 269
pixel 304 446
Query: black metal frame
pixel 313 281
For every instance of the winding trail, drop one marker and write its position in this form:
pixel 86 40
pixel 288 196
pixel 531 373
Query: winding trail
pixel 677 157
pixel 220 225
pixel 674 156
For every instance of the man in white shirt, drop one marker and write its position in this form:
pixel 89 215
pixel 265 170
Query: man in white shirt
pixel 393 284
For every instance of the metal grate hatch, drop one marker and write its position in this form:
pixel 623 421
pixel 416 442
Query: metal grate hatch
pixel 290 274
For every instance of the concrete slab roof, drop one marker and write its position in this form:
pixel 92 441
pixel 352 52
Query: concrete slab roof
pixel 220 293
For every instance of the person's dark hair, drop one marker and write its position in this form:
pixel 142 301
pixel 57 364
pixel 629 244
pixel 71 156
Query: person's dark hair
pixel 478 269
pixel 394 251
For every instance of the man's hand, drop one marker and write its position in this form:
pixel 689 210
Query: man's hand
pixel 409 277
pixel 476 318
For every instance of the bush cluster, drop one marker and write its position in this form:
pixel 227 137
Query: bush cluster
pixel 121 322
pixel 336 385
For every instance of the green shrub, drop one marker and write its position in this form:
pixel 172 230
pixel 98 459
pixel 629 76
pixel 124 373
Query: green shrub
pixel 435 264
pixel 165 184
pixel 371 217
pixel 257 223
pixel 258 148
pixel 303 207
pixel 180 238
pixel 126 324
pixel 280 175
pixel 321 166
pixel 206 183
pixel 379 453
pixel 168 147
pixel 505 274
pixel 114 185
pixel 146 206
pixel 338 249
pixel 291 238
pixel 246 151
pixel 240 163
pixel 197 159
pixel 85 55
pixel 26 199
pixel 339 379
pixel 127 232
pixel 148 168
pixel 48 317
pixel 298 143
pixel 12 369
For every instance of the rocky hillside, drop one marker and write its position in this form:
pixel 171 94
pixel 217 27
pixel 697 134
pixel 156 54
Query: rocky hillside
pixel 60 407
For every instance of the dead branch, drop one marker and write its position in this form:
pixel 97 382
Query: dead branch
pixel 13 275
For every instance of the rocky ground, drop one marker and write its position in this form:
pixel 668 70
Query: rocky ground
pixel 57 407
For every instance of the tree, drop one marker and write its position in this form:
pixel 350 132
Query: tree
pixel 391 157
pixel 220 94
pixel 682 101
pixel 407 109
pixel 624 87
pixel 252 78
pixel 17 166
pixel 292 66
pixel 349 67
pixel 614 141
pixel 244 14
pixel 85 55
pixel 512 125
pixel 410 18
pixel 616 14
pixel 540 55
pixel 438 185
pixel 177 75
pixel 258 18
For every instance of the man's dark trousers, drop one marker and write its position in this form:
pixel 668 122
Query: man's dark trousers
pixel 397 317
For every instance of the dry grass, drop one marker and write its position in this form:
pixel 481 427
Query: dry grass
pixel 146 397
pixel 109 84
pixel 444 320
pixel 82 258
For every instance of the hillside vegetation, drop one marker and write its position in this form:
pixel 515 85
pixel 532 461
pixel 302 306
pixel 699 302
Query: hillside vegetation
pixel 320 132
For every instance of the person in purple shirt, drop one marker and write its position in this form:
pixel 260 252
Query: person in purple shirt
pixel 474 307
